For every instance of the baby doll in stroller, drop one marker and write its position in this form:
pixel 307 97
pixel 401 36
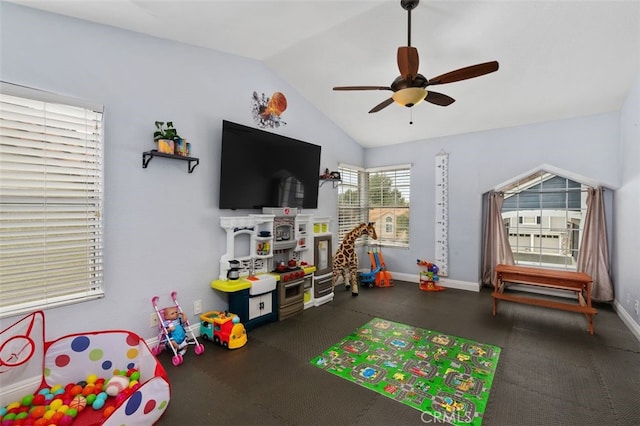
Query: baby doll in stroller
pixel 174 321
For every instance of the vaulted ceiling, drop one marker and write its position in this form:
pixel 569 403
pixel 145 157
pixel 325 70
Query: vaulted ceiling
pixel 558 59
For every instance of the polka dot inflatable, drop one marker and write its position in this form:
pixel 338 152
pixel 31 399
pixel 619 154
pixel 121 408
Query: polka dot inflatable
pixel 68 396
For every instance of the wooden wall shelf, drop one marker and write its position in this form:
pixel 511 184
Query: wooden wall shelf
pixel 148 155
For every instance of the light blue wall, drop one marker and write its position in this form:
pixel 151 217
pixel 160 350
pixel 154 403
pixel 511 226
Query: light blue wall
pixel 478 162
pixel 162 229
pixel 162 224
pixel 626 249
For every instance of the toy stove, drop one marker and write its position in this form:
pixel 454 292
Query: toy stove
pixel 290 287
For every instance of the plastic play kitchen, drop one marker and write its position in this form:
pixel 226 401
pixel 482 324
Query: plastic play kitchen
pixel 273 280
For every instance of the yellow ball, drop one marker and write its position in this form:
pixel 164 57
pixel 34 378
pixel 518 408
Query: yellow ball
pixel 91 379
pixel 55 404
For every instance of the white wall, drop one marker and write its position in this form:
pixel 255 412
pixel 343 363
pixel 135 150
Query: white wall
pixel 626 249
pixel 162 228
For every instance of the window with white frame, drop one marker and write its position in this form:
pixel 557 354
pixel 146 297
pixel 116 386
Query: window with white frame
pixel 51 199
pixel 544 216
pixel 380 195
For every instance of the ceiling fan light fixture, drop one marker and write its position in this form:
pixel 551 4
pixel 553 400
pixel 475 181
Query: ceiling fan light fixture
pixel 410 96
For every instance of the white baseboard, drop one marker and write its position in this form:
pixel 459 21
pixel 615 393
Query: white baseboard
pixel 627 319
pixel 444 282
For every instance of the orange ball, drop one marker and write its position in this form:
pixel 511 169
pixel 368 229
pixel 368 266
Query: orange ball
pixel 107 411
pixel 38 411
pixel 88 390
pixel 75 390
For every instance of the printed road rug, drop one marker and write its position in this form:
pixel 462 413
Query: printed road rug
pixel 447 377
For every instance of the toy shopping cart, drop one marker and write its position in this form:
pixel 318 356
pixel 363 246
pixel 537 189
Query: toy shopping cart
pixel 171 331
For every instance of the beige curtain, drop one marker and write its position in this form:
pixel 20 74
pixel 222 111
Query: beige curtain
pixel 496 247
pixel 593 257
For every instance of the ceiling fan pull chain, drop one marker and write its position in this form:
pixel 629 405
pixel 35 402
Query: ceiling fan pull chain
pixel 410 115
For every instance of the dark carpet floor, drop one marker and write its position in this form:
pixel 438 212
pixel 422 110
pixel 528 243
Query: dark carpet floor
pixel 551 370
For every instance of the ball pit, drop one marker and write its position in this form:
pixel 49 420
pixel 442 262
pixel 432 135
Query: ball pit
pixel 80 364
pixel 68 401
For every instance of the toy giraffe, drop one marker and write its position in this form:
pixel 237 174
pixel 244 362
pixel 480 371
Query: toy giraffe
pixel 345 261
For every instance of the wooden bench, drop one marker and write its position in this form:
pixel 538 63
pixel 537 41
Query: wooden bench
pixel 578 282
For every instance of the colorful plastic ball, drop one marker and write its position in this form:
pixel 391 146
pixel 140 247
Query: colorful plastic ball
pixel 55 404
pixel 55 419
pixel 63 408
pixel 107 411
pixel 71 412
pixel 135 375
pixel 55 388
pixel 98 404
pixel 75 390
pixel 3 411
pixel 27 400
pixel 41 422
pixel 49 414
pixel 90 398
pixel 38 400
pixel 22 416
pixel 102 395
pixel 38 411
pixel 78 403
pixel 13 405
pixel 65 420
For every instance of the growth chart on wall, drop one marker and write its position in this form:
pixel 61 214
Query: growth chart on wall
pixel 442 213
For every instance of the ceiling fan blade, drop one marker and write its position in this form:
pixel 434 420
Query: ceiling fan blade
pixel 465 73
pixel 381 105
pixel 362 88
pixel 408 62
pixel 439 98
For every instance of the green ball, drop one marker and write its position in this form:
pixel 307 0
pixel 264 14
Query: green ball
pixel 90 398
pixel 27 400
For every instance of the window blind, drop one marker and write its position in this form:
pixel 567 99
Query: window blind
pixel 51 198
pixel 380 195
pixel 351 199
pixel 389 196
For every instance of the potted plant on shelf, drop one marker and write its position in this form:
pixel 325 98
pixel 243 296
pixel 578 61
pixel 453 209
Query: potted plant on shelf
pixel 165 135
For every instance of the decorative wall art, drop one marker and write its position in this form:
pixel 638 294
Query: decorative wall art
pixel 267 111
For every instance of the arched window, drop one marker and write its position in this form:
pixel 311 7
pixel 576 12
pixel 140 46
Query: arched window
pixel 544 214
pixel 388 224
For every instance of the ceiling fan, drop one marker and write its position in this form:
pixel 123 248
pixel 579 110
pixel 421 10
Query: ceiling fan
pixel 410 88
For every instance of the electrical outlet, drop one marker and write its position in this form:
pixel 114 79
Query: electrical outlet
pixel 197 307
pixel 635 306
pixel 153 322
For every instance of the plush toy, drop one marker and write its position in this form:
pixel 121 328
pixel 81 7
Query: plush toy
pixel 345 260
pixel 116 384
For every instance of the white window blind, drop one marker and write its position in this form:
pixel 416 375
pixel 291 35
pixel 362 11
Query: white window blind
pixel 51 196
pixel 351 200
pixel 380 195
pixel 389 196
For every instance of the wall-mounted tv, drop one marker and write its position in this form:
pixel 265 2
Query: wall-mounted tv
pixel 262 169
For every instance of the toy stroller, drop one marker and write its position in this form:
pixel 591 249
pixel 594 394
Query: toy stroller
pixel 165 338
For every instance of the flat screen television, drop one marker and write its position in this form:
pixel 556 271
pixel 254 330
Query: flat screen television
pixel 262 169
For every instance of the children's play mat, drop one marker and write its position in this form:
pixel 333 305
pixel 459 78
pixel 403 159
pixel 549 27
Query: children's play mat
pixel 445 376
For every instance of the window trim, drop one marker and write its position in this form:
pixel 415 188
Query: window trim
pixel 31 196
pixel 363 207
